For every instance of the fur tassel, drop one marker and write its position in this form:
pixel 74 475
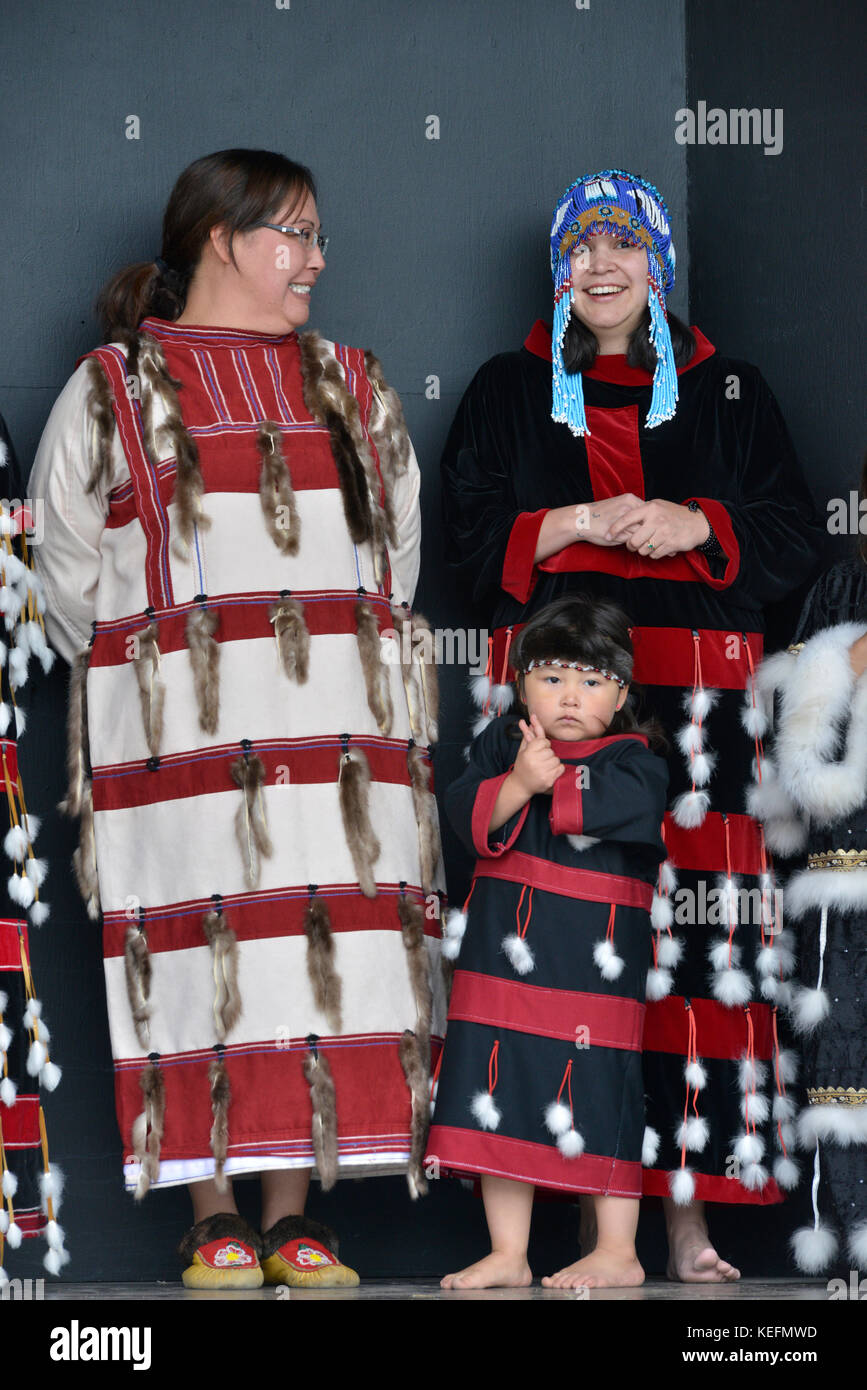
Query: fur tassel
pixel 558 1118
pixel 519 953
pixel 418 1080
pixel 172 435
pixel 317 1073
pixel 783 1108
pixel 754 1176
pixel 571 1144
pixel 582 842
pixel 102 428
pixel 389 435
pixel 755 1108
pixel 427 670
pixel 227 997
pixel 750 1148
pixel 77 746
pixel 84 857
pixel 667 877
pixel 485 1110
pixel 152 691
pixel 699 703
pixel 248 773
pixel 148 1128
pixel 411 916
pixel 480 689
pixel 329 402
pixel 609 963
pixel 324 979
pixel 429 846
pixel 137 964
pixel 354 795
pixel 649 1147
pixel 690 809
pixel 813 1248
pixel 221 1095
pixel 669 951
pixel 292 636
pixel 205 661
pixel 376 671
pixel 410 671
pixel 276 493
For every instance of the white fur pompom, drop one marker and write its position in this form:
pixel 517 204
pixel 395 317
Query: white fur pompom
pixel 731 987
pixel 51 1185
pixel 857 1245
pixel 4 1000
pixel 810 1007
pixel 689 739
pixel 486 1110
pixel 8 1091
pixel 5 711
pixel 20 721
pixel 582 842
pixel 787 1063
pixel 699 703
pixel 768 961
pixel 751 1073
pixel 669 951
pixel 695 1075
pixel 30 825
pixel 9 1184
pixel 4 1221
pixel 703 765
pixel 750 1148
pixel 754 1177
pixel 36 870
pixel 682 1186
pixel 50 1076
pixel 667 877
pixel 813 1247
pixel 661 913
pixel 451 947
pixel 5 1038
pixel 754 720
pixel 39 913
pixel 17 667
pixel 480 724
pixel 659 983
pixel 4 1279
pixel 693 1132
pixel 453 933
pixel 54 1235
pixel 502 697
pixel 787 1174
pixel 480 690
pixel 570 1144
pixel 32 1012
pixel 724 954
pixel 15 842
pixel 13 1235
pixel 605 956
pixel 690 809
pixel 787 1134
pixel 755 1108
pixel 729 898
pixel 36 1058
pixel 783 1108
pixel 649 1147
pixel 770 988
pixel 519 953
pixel 558 1117
pixel 52 1261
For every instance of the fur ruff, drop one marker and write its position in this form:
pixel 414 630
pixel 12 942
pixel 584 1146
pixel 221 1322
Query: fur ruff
pixel 376 671
pixel 221 1096
pixel 152 690
pixel 829 1123
pixel 77 742
pixel 276 493
pixel 317 1073
pixel 137 963
pixel 418 1080
pixel 324 979
pixel 251 828
pixel 411 915
pixel 217 1227
pixel 102 428
pixel 295 1228
pixel 818 888
pixel 205 661
pixel 227 997
pixel 354 796
pixel 292 636
pixel 429 845
pixel 148 1129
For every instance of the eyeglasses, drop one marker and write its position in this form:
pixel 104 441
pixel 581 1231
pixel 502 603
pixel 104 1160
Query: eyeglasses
pixel 306 235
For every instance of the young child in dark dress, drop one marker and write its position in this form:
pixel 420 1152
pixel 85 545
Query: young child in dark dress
pixel 540 1082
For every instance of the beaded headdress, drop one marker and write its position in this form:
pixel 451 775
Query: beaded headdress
pixel 613 203
pixel 576 666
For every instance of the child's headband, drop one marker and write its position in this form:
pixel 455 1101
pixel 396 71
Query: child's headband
pixel 575 666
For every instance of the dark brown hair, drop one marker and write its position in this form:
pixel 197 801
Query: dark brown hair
pixel 580 344
pixel 240 188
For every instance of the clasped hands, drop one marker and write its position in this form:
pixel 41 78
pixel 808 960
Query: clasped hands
pixel 656 528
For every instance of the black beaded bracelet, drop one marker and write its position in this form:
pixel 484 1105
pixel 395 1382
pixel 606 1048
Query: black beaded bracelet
pixel 711 547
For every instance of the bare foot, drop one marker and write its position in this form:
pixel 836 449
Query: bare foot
pixel 693 1260
pixel 498 1270
pixel 604 1269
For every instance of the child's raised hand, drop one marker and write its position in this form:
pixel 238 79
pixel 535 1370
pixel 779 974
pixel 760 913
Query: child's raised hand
pixel 537 766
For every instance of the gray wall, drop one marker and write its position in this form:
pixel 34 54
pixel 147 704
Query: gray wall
pixel 439 260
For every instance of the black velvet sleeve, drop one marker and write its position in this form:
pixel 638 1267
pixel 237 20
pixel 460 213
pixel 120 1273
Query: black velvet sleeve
pixel 619 793
pixel 839 596
pixel 470 800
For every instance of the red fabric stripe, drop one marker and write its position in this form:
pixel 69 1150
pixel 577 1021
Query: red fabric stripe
pixel 720 520
pixel 9 752
pixel 588 884
pixel 705 847
pixel 254 918
pixel 720 1031
pixel 665 655
pixel 567 811
pixel 10 950
pixel 270 1104
pixel 21 1123
pixel 595 559
pixel 199 773
pixel 519 571
pixel 613 366
pixel 469 1151
pixel 149 507
pixel 613 453
pixel 711 1188
pixel 547 1013
pixel 483 809
pixel 30 1223
pixel 242 618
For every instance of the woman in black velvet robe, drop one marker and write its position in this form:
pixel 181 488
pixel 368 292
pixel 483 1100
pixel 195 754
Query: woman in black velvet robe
pixel 533 512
